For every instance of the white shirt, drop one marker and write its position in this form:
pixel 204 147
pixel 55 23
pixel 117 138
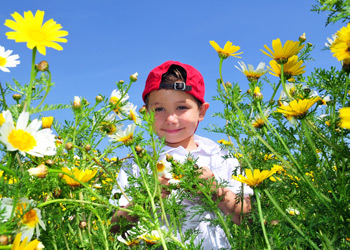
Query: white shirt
pixel 209 154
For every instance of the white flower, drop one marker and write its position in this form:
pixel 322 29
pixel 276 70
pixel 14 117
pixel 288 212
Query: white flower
pixel 292 211
pixel 6 60
pixel 130 109
pixel 30 220
pixel 118 100
pixel 77 102
pixel 164 169
pixel 40 246
pixel 258 121
pixel 27 138
pixel 124 135
pixel 250 72
pixel 290 87
pixel 152 237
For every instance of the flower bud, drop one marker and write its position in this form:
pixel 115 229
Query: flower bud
pixel 76 102
pixel 271 102
pixel 143 110
pixel 83 224
pixel 274 222
pixel 87 147
pixel 121 81
pixel 309 44
pixel 49 162
pixel 138 148
pixel 40 171
pixel 257 94
pixel 169 158
pixel 133 77
pixel 47 122
pixel 16 97
pixel 43 66
pixel 228 84
pixel 99 98
pixel 302 38
pixel 69 146
pixel 249 91
pixel 4 240
pixel 57 192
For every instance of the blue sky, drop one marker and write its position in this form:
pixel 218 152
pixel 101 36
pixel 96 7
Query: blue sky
pixel 110 40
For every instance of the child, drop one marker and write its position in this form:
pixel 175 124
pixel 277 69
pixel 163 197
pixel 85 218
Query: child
pixel 175 92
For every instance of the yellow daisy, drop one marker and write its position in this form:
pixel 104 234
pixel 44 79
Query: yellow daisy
pixel 344 114
pixel 30 29
pixel 17 245
pixel 224 142
pixel 255 178
pixel 228 50
pixel 251 73
pixel 282 53
pixel 341 45
pixel 298 108
pixel 81 175
pixel 292 68
pixel 26 138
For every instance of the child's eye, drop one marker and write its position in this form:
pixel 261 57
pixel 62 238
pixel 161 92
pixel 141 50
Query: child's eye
pixel 182 108
pixel 158 109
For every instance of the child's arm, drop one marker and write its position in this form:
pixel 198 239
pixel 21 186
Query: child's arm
pixel 230 203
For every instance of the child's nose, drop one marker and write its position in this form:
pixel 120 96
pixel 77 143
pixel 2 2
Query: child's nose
pixel 171 118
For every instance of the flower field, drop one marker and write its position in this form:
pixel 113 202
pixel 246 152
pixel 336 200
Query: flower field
pixel 58 180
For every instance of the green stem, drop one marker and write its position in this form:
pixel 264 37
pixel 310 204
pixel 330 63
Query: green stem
pixel 46 93
pixel 261 218
pixel 32 78
pixel 102 226
pixel 283 81
pixel 284 214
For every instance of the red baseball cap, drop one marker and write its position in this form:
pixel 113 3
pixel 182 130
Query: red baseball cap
pixel 194 83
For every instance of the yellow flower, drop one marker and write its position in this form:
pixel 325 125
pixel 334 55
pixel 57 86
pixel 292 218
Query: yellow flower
pixel 251 73
pixel 30 29
pixel 298 108
pixel 81 175
pixel 46 122
pixel 341 45
pixel 292 68
pixel 224 142
pixel 281 54
pixel 228 50
pixel 255 178
pixel 17 245
pixel 344 114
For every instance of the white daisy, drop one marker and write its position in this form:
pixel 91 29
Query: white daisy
pixel 124 135
pixel 130 109
pixel 30 219
pixel 6 60
pixel 118 100
pixel 292 211
pixel 27 138
pixel 258 121
pixel 164 169
pixel 250 72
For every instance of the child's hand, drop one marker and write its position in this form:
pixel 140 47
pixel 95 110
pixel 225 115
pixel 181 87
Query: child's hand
pixel 164 182
pixel 208 174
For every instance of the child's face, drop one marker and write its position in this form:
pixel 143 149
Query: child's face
pixel 176 116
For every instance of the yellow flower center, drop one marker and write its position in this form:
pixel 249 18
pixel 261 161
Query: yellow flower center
pixel 21 140
pixel 37 35
pixel 30 218
pixel 126 138
pixel 133 115
pixel 160 166
pixel 2 119
pixel 115 101
pixel 2 61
